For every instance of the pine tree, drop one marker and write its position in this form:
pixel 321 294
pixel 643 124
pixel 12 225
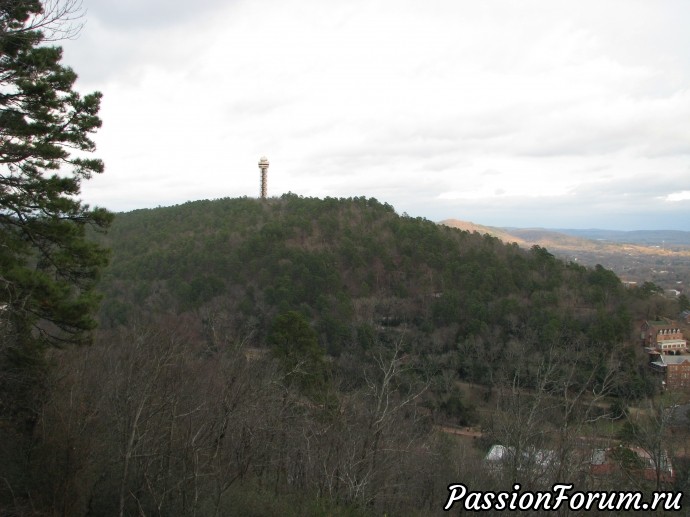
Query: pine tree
pixel 48 267
pixel 294 343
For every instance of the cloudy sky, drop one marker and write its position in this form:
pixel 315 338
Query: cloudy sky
pixel 549 113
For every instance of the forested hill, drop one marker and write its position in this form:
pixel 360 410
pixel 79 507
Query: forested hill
pixel 359 273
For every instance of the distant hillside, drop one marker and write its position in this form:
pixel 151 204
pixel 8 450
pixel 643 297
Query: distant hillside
pixel 499 233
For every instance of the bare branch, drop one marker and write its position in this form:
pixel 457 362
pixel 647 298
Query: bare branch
pixel 59 20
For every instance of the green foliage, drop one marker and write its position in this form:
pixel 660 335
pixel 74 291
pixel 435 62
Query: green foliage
pixel 647 290
pixel 627 459
pixel 360 273
pixel 683 302
pixel 47 266
pixel 605 285
pixel 458 411
pixel 635 381
pixel 293 342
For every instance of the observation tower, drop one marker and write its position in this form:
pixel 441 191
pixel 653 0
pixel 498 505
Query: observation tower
pixel 263 166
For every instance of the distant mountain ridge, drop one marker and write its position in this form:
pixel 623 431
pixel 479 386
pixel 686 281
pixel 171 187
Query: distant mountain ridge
pixel 578 237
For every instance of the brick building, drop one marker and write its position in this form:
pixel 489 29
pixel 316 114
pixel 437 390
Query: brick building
pixel 675 371
pixel 664 336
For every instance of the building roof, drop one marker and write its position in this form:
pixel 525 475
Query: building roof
pixel 675 359
pixel 498 453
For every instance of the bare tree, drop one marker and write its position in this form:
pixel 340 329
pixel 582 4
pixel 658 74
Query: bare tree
pixel 648 430
pixel 545 404
pixel 385 430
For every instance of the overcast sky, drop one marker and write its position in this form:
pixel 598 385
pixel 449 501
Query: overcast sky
pixel 548 113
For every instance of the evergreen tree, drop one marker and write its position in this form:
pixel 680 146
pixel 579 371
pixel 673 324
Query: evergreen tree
pixel 295 345
pixel 48 267
pixel 683 302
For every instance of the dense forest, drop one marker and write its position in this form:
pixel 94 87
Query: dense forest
pixel 351 266
pixel 308 356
